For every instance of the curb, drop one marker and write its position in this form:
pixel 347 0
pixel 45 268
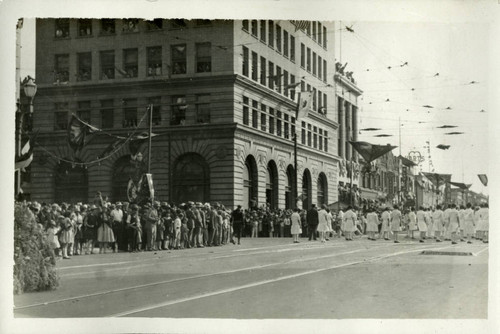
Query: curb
pixel 427 252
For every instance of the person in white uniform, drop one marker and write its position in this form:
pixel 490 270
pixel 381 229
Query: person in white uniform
pixel 461 214
pixel 446 221
pixel 349 222
pixel 484 224
pixel 371 224
pixel 468 223
pixel 385 229
pixel 438 220
pixel 453 227
pixel 421 223
pixel 430 223
pixel 395 220
pixel 412 222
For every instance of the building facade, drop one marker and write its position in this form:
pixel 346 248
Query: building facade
pixel 347 94
pixel 222 97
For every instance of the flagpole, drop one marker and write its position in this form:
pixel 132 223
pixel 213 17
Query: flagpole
pixel 149 146
pixel 296 190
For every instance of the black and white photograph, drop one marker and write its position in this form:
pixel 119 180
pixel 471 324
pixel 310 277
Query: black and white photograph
pixel 253 167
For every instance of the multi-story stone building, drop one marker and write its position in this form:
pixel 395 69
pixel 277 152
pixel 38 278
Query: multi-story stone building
pixel 223 110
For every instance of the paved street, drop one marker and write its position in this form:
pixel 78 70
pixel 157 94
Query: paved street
pixel 273 278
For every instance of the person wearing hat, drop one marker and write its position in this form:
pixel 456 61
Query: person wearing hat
pixel 90 224
pixel 134 227
pixel 79 240
pixel 312 222
pixel 52 230
pixel 199 223
pixel 116 214
pixel 65 235
pixel 238 219
pixel 151 217
pixel 105 234
pixel 349 223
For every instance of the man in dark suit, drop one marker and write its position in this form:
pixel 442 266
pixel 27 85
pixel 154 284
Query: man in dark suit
pixel 312 221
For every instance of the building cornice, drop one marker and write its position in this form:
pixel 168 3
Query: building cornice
pixel 347 83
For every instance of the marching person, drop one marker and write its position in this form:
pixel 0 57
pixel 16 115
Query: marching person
pixel 446 221
pixel 412 222
pixel 484 223
pixel 430 223
pixel 421 223
pixel 371 223
pixel 438 220
pixel 454 225
pixel 385 228
pixel 461 214
pixel 395 220
pixel 468 223
pixel 349 223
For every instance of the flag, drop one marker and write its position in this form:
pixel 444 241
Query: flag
pixel 484 179
pixel 460 185
pixel 300 25
pixel 26 148
pixel 24 161
pixel 304 104
pixel 149 177
pixel 79 133
pixel 370 152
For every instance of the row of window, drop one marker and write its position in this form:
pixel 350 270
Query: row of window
pixel 314 137
pixel 109 26
pixel 313 63
pixel 129 66
pixel 268 119
pixel 282 124
pixel 131 113
pixel 272 34
pixel 266 73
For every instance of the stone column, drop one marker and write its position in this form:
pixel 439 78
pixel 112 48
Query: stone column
pixel 355 129
pixel 348 130
pixel 342 133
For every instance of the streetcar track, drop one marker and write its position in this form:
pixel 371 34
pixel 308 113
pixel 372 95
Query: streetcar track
pixel 191 277
pixel 263 282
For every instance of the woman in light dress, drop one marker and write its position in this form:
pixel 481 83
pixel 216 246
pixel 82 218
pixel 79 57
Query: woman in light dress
pixel 421 223
pixel 437 218
pixel 371 224
pixel 395 221
pixel 384 230
pixel 349 221
pixel 104 231
pixel 296 230
pixel 468 223
pixel 484 223
pixel 322 223
pixel 412 222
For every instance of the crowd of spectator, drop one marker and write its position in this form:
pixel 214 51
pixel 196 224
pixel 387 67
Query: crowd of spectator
pixel 78 229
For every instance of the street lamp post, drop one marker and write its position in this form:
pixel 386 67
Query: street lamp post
pixel 29 88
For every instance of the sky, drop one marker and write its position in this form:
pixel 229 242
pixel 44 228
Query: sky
pixel 401 67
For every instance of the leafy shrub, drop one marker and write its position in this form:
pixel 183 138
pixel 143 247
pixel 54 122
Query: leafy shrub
pixel 34 262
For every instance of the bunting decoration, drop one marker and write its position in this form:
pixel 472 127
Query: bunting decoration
pixel 370 152
pixel 483 178
pixel 300 25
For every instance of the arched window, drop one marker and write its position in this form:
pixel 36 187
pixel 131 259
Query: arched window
pixel 306 190
pixel 272 185
pixel 250 182
pixel 191 179
pixel 290 188
pixel 71 183
pixel 322 190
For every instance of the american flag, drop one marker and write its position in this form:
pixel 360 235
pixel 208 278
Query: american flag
pixel 300 25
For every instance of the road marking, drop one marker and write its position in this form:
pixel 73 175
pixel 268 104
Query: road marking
pixel 185 278
pixel 482 250
pixel 251 285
